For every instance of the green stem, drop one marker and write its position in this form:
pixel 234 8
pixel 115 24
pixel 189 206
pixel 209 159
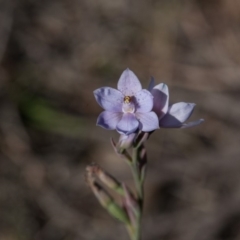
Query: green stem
pixel 131 232
pixel 139 187
pixel 136 173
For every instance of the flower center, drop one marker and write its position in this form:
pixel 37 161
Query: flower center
pixel 128 105
pixel 127 99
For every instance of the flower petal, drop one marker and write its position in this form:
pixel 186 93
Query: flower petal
pixel 182 111
pixel 128 83
pixel 128 124
pixel 109 98
pixel 109 120
pixel 177 114
pixel 192 124
pixel 144 101
pixel 169 121
pixel 148 121
pixel 160 99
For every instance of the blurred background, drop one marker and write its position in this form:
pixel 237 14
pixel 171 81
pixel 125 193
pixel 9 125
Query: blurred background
pixel 54 53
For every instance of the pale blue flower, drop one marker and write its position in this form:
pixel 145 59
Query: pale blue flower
pixel 127 109
pixel 175 115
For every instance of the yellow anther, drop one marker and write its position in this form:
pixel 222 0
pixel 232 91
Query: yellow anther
pixel 127 99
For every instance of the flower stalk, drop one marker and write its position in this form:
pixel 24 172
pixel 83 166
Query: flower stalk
pixel 135 113
pixel 139 189
pixel 138 168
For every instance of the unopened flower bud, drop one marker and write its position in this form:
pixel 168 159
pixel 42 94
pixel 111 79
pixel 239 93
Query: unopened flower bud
pixel 108 203
pixel 126 141
pixel 101 194
pixel 107 179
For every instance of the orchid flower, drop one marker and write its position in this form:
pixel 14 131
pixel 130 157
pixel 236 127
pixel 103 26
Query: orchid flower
pixel 128 108
pixel 171 116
